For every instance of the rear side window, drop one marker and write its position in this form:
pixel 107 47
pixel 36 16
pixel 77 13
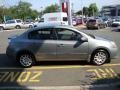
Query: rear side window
pixel 10 22
pixel 42 34
pixel 92 21
pixel 18 21
pixel 41 20
pixel 65 19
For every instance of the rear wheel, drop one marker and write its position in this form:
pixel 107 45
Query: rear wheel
pixel 18 27
pixel 1 28
pixel 100 57
pixel 26 60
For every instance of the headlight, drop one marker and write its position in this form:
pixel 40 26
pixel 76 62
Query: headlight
pixel 113 45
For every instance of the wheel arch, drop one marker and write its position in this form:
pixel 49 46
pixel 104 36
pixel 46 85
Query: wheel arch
pixel 25 51
pixel 100 49
pixel 2 27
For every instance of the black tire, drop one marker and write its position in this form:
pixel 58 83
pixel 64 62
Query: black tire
pixel 28 56
pixel 98 27
pixel 30 26
pixel 1 28
pixel 18 27
pixel 88 28
pixel 99 61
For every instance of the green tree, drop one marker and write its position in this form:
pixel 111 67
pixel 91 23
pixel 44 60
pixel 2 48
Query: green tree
pixel 93 9
pixel 85 11
pixel 52 8
pixel 22 11
pixel 79 12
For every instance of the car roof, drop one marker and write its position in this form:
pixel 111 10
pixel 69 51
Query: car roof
pixel 52 26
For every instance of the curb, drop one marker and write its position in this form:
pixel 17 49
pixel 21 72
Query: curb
pixel 81 87
pixel 12 30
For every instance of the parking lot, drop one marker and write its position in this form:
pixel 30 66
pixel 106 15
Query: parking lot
pixel 53 75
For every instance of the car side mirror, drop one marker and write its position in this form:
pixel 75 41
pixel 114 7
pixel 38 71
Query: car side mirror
pixel 84 39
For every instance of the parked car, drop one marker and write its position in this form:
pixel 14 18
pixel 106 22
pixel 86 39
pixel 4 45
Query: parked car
pixel 15 23
pixel 107 21
pixel 59 43
pixel 74 21
pixel 116 23
pixel 10 24
pixel 95 23
pixel 28 24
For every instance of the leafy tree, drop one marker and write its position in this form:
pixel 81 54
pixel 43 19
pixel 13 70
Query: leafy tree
pixel 52 8
pixel 93 10
pixel 22 11
pixel 79 12
pixel 85 11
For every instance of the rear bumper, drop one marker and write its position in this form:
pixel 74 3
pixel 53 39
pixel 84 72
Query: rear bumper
pixel 10 53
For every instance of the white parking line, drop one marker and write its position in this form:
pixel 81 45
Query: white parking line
pixel 60 67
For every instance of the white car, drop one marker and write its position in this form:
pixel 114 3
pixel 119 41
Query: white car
pixel 15 23
pixel 116 23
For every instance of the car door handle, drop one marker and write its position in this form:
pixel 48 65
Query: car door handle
pixel 60 45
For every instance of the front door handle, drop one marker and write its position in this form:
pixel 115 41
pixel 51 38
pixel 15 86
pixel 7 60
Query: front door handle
pixel 60 45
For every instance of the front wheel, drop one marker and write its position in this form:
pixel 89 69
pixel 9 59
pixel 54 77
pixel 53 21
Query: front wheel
pixel 100 57
pixel 30 26
pixel 26 60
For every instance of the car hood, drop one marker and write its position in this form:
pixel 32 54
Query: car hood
pixel 104 39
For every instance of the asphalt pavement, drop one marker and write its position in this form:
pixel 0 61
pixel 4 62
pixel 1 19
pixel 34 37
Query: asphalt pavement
pixel 60 75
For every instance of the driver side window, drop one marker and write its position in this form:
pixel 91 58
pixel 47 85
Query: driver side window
pixel 66 34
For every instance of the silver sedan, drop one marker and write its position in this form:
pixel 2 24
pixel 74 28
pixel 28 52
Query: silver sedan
pixel 59 43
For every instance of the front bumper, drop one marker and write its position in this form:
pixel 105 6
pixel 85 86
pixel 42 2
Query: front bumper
pixel 114 53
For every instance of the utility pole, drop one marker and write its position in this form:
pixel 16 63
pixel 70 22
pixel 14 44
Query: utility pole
pixel 82 10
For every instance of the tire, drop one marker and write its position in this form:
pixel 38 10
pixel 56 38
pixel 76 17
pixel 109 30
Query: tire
pixel 18 27
pixel 30 26
pixel 26 60
pixel 98 27
pixel 100 57
pixel 1 28
pixel 88 28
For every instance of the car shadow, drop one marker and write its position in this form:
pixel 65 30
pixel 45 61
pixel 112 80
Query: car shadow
pixel 61 63
pixel 7 62
pixel 115 30
pixel 106 83
pixel 10 79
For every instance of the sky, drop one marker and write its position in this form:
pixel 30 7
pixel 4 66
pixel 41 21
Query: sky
pixel 41 4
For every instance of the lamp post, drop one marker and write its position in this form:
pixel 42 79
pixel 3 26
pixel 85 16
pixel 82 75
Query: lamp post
pixel 82 10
